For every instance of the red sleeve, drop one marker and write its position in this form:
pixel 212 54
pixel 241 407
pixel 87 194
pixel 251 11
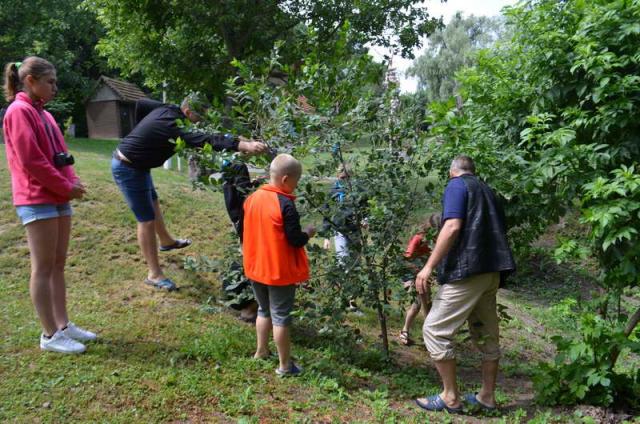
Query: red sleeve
pixel 413 245
pixel 30 155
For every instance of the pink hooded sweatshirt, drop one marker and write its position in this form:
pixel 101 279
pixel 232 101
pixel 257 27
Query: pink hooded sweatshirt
pixel 34 177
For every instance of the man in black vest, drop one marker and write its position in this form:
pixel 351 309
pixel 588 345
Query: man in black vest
pixel 473 257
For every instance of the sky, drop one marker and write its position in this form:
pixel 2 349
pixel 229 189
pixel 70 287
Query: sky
pixel 446 11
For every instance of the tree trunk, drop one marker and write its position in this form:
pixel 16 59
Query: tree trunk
pixel 631 325
pixel 382 318
pixel 383 328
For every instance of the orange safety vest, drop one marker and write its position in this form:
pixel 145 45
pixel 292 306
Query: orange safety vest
pixel 268 257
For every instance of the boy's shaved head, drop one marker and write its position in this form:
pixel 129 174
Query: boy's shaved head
pixel 285 164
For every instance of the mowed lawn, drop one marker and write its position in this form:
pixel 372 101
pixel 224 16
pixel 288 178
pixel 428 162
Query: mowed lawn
pixel 182 357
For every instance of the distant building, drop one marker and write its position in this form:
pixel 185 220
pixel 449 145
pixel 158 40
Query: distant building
pixel 110 109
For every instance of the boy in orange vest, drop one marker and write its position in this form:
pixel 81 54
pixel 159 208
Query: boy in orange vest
pixel 274 258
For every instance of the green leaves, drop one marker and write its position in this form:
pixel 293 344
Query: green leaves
pixel 582 371
pixel 550 115
pixel 450 49
pixel 612 208
pixel 558 96
pixel 190 44
pixel 63 33
pixel 570 249
pixel 320 113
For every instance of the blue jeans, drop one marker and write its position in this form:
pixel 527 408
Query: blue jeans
pixel 137 188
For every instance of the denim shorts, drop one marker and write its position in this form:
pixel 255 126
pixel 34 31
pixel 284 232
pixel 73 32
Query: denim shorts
pixel 275 302
pixel 30 213
pixel 137 188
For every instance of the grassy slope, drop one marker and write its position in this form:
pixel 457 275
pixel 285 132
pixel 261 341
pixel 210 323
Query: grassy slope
pixel 165 357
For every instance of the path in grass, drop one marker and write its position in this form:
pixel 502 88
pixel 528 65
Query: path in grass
pixel 180 357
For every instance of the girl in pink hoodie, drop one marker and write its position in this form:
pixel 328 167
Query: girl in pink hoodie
pixel 42 183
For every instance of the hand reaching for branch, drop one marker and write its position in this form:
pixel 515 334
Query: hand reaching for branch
pixel 251 146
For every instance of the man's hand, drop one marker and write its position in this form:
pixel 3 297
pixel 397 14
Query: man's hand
pixel 422 280
pixel 77 191
pixel 310 230
pixel 446 238
pixel 251 146
pixel 326 244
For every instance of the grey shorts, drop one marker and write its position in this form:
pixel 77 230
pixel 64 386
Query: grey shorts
pixel 275 302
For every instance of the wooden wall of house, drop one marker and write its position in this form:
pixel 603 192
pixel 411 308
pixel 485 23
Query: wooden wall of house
pixel 127 112
pixel 103 119
pixel 104 93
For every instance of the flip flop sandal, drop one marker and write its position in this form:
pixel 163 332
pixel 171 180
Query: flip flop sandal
pixel 473 401
pixel 164 284
pixel 435 403
pixel 178 244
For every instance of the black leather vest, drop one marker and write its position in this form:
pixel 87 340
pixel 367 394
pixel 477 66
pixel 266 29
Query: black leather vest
pixel 482 244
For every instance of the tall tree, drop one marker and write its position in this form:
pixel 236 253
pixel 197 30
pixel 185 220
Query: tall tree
pixel 552 118
pixel 451 49
pixel 61 32
pixel 191 43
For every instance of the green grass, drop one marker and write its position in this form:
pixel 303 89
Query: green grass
pixel 168 358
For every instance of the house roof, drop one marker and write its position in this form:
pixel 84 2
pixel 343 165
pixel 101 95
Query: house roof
pixel 126 91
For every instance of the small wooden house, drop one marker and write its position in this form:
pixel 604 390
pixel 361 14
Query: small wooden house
pixel 110 109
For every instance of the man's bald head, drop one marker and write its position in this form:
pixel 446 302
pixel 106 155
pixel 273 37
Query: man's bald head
pixel 285 165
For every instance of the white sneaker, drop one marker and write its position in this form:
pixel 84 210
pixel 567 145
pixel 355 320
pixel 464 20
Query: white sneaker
pixel 77 333
pixel 61 344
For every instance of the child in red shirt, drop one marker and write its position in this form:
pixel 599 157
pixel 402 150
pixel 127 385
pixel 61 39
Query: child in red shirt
pixel 418 249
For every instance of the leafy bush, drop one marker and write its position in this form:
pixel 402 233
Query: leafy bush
pixel 559 101
pixel 237 292
pixel 582 370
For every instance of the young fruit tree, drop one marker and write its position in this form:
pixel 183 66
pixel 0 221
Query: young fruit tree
pixel 332 115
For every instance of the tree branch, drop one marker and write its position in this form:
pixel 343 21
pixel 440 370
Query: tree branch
pixel 632 323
